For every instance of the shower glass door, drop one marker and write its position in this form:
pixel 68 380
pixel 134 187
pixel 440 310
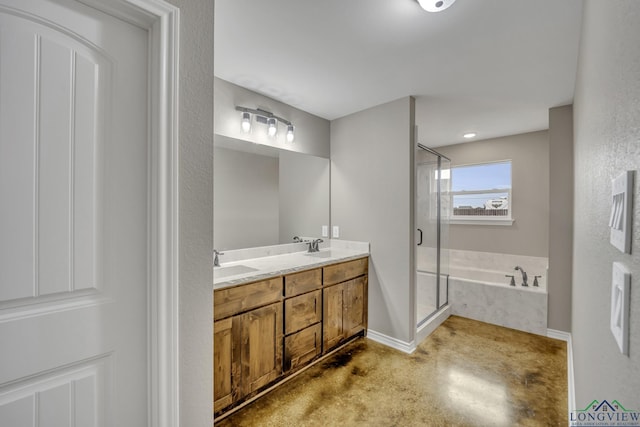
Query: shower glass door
pixel 432 212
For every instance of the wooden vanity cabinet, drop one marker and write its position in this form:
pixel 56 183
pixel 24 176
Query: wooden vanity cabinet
pixel 344 302
pixel 248 342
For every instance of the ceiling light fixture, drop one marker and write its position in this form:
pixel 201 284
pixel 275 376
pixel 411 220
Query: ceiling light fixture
pixel 267 118
pixel 435 5
pixel 469 135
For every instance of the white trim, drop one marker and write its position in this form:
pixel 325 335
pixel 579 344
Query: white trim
pixel 406 347
pixel 571 391
pixel 432 324
pixel 470 220
pixel 161 20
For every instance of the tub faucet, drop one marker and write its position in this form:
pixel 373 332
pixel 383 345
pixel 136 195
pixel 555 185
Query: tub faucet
pixel 216 260
pixel 524 275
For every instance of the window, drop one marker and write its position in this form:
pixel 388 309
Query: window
pixel 481 193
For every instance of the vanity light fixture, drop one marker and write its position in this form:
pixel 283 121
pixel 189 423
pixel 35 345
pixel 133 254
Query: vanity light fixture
pixel 435 5
pixel 267 118
pixel 246 122
pixel 290 135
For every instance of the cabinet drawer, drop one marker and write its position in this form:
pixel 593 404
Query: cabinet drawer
pixel 230 301
pixel 302 347
pixel 305 281
pixel 347 270
pixel 302 311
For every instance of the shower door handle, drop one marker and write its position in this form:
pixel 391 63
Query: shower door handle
pixel 420 242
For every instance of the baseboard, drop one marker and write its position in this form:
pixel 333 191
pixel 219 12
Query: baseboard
pixel 428 327
pixel 566 336
pixel 406 347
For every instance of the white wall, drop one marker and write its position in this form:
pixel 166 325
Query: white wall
pixel 372 156
pixel 560 217
pixel 311 132
pixel 607 142
pixel 196 211
pixel 246 191
pixel 529 155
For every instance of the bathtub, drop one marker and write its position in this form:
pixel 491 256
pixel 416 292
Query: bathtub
pixel 485 295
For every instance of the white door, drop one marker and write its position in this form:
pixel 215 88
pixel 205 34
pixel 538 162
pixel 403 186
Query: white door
pixel 73 216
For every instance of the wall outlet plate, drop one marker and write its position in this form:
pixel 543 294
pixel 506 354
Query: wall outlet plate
pixel 325 231
pixel 336 232
pixel 621 211
pixel 620 290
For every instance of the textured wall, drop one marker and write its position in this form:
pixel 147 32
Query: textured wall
pixel 607 142
pixel 529 155
pixel 560 217
pixel 372 158
pixel 196 211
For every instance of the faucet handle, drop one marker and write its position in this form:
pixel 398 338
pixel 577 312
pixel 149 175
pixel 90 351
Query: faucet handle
pixel 535 280
pixel 513 281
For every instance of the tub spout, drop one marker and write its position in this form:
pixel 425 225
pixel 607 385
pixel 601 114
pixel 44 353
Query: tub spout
pixel 524 275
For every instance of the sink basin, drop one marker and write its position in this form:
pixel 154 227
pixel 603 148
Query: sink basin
pixel 321 254
pixel 233 270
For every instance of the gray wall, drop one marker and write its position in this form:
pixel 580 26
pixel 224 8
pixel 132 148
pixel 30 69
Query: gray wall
pixel 560 217
pixel 311 132
pixel 606 123
pixel 304 195
pixel 372 185
pixel 528 235
pixel 196 211
pixel 246 210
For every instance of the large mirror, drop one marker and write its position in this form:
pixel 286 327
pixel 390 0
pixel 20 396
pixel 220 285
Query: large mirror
pixel 265 196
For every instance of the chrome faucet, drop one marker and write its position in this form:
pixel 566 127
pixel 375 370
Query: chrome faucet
pixel 313 245
pixel 524 275
pixel 216 261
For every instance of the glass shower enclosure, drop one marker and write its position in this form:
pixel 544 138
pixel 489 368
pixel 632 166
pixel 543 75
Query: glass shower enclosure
pixel 433 208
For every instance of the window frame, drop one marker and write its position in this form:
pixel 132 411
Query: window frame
pixel 507 220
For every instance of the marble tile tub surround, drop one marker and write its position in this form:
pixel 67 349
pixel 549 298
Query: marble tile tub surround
pixel 270 261
pixel 524 309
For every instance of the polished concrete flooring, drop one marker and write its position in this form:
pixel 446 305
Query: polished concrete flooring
pixel 467 373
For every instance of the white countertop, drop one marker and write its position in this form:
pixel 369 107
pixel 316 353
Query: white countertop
pixel 260 268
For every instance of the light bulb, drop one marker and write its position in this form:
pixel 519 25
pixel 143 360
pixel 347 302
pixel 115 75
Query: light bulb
pixel 272 127
pixel 246 122
pixel 290 135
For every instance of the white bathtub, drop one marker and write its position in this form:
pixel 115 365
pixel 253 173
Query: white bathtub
pixel 485 294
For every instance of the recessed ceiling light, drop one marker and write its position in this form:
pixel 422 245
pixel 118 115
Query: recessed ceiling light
pixel 435 5
pixel 469 135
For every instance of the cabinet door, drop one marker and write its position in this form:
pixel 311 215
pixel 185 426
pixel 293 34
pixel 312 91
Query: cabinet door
pixel 261 346
pixel 354 306
pixel 223 380
pixel 332 316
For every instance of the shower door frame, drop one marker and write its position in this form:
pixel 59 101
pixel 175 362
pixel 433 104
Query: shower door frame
pixel 420 322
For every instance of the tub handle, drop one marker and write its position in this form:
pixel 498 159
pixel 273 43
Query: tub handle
pixel 535 280
pixel 420 242
pixel 513 281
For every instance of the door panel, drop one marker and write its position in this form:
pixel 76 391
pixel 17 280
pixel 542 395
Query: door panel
pixel 73 218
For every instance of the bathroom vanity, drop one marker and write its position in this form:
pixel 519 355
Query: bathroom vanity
pixel 271 322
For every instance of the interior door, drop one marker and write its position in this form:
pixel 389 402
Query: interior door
pixel 73 216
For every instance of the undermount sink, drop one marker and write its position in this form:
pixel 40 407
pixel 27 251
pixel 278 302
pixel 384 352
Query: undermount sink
pixel 321 254
pixel 220 272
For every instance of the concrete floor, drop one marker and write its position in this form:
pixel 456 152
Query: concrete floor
pixel 467 373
